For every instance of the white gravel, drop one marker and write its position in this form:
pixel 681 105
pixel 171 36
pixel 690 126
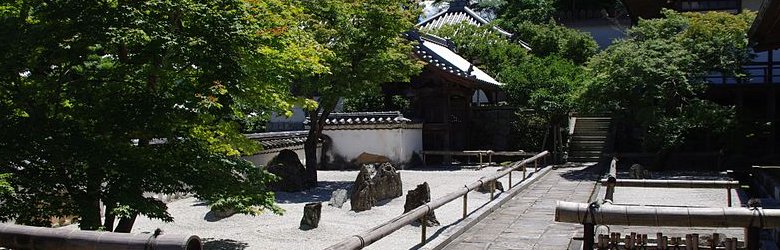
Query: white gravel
pixel 269 231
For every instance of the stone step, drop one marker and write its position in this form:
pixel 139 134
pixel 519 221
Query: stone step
pixel 591 147
pixel 576 137
pixel 590 133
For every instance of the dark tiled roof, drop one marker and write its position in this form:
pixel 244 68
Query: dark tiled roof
pixel 459 13
pixel 272 140
pixel 439 52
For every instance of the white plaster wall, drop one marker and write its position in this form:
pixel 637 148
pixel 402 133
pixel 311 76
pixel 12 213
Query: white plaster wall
pixel 397 144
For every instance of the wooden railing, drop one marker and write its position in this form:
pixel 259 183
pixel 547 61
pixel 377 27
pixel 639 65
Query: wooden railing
pixel 374 234
pixel 753 219
pixel 611 182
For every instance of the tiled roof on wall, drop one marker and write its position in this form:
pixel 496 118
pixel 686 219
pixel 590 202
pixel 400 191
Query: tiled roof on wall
pixel 356 118
pixel 272 140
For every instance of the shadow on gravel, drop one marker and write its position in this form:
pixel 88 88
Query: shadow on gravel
pixel 321 193
pixel 214 244
pixel 591 173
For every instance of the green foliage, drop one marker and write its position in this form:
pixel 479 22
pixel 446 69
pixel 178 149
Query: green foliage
pixel 655 77
pixel 554 39
pixel 549 85
pixel 106 100
pixel 373 101
pixel 529 130
pixel 363 46
pixel 534 11
pixel 483 46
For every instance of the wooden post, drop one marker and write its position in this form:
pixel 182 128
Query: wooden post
pixel 465 204
pixel 728 196
pixel 729 244
pixel 536 166
pixel 610 194
pixel 493 188
pixel 753 238
pixel 524 172
pixel 423 225
pixel 510 179
pixel 588 235
pixel 715 240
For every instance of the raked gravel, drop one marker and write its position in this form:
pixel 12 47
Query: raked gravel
pixel 270 231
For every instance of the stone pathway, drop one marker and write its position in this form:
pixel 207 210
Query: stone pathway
pixel 527 221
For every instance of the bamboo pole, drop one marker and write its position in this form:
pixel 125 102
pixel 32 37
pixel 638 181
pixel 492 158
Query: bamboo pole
pixel 378 232
pixel 720 217
pixel 27 237
pixel 672 183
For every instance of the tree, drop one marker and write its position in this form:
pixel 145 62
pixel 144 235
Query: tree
pixel 549 85
pixel 655 78
pixel 106 100
pixel 554 39
pixel 365 46
pixel 482 46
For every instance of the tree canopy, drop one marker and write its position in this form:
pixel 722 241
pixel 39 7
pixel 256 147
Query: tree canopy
pixel 655 77
pixel 364 45
pixel 107 100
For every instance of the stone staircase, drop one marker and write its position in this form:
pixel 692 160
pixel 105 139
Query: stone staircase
pixel 588 137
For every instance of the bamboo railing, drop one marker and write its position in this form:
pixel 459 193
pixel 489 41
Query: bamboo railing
pixel 364 239
pixel 27 237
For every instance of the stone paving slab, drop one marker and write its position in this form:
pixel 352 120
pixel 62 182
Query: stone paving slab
pixel 527 221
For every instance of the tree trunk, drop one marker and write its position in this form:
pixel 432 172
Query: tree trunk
pixel 89 213
pixel 89 204
pixel 108 223
pixel 316 123
pixel 310 149
pixel 125 224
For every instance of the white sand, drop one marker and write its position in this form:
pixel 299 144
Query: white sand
pixel 271 231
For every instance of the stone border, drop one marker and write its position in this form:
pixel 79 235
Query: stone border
pixel 460 227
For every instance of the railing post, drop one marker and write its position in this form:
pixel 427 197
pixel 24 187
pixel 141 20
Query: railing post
pixel 536 165
pixel 493 188
pixel 610 194
pixel 465 204
pixel 728 196
pixel 753 238
pixel 510 178
pixel 524 172
pixel 588 235
pixel 424 228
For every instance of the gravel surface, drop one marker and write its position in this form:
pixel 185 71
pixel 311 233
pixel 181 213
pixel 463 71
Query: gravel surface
pixel 269 231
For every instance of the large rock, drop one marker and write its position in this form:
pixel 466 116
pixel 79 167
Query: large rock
pixel 338 198
pixel 486 186
pixel 222 213
pixel 374 184
pixel 368 158
pixel 311 216
pixel 417 197
pixel 291 172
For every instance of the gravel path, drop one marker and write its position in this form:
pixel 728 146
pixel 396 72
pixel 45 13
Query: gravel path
pixel 269 231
